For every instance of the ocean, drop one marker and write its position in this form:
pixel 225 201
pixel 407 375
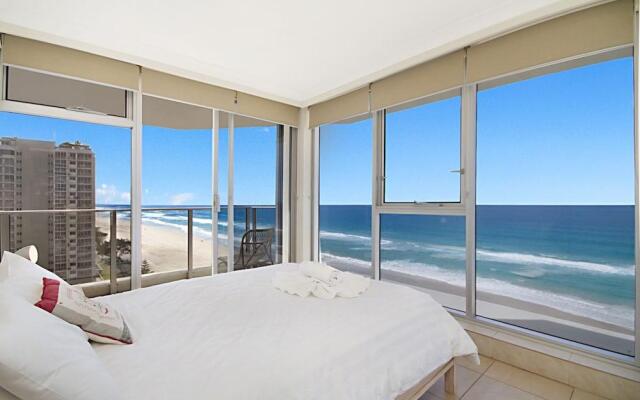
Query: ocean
pixel 577 259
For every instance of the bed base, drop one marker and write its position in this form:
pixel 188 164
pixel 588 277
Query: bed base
pixel 420 388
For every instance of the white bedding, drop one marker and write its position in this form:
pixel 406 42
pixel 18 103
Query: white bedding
pixel 234 336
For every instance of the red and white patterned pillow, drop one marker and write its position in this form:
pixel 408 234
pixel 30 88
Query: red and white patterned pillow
pixel 101 322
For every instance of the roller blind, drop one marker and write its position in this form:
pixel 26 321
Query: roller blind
pixel 262 108
pixel 65 61
pixel 343 107
pixel 240 121
pixel 597 28
pixel 28 86
pixel 434 76
pixel 175 115
pixel 187 90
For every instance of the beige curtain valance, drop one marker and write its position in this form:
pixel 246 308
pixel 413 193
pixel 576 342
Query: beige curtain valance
pixel 176 115
pixel 598 28
pixel 202 94
pixel 37 55
pixel 432 77
pixel 343 107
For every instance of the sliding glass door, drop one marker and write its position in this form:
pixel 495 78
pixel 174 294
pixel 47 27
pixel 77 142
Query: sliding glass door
pixel 249 190
pixel 344 220
pixel 176 205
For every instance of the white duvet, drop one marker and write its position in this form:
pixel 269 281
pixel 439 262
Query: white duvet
pixel 234 336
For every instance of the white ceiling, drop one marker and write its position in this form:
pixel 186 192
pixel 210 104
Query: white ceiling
pixel 296 51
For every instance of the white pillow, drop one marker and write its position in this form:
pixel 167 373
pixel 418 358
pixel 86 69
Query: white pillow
pixel 45 358
pixel 24 277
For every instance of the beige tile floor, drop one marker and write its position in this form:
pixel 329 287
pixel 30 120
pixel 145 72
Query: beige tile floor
pixel 495 380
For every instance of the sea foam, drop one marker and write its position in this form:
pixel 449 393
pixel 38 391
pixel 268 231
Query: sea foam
pixel 614 314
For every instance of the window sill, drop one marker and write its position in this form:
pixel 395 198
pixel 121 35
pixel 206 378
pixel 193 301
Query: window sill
pixel 560 354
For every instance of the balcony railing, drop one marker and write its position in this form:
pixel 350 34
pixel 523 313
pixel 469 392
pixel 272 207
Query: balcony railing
pixel 112 277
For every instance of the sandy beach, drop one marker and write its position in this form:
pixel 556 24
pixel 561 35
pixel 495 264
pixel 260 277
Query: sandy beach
pixel 165 247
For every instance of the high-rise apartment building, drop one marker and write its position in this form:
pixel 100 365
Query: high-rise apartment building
pixel 38 175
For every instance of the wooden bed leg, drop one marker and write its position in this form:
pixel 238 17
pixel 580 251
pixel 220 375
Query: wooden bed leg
pixel 449 380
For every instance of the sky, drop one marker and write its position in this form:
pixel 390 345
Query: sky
pixel 176 163
pixel 562 138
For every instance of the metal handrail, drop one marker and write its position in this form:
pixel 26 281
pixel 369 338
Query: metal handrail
pixel 250 220
pixel 76 210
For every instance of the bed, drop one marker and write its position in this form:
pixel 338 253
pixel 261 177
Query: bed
pixel 234 336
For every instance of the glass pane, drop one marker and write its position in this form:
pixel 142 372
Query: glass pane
pixel 258 203
pixel 345 196
pixel 426 252
pixel 37 88
pixel 53 164
pixel 122 239
pixel 555 215
pixel 422 152
pixel 176 181
pixel 223 171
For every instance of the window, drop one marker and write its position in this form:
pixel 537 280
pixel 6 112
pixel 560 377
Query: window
pixel 74 245
pixel 426 252
pixel 422 152
pixel 176 183
pixel 27 87
pixel 555 214
pixel 345 195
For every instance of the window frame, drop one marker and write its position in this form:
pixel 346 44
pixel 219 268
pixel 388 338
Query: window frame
pixel 128 98
pixel 573 63
pixel 129 121
pixel 133 121
pixel 315 198
pixel 467 205
pixel 419 207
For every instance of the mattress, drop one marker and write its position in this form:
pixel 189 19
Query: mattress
pixel 233 336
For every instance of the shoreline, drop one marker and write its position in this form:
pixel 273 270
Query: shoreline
pixel 533 316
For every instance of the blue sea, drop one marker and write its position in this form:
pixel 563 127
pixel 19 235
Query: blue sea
pixel 578 259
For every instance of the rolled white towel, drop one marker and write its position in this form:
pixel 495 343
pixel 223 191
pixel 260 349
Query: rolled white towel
pixel 29 252
pixel 323 290
pixel 301 285
pixel 293 283
pixel 321 272
pixel 352 285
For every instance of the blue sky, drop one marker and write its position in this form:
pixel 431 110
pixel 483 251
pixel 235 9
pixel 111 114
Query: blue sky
pixel 563 138
pixel 176 163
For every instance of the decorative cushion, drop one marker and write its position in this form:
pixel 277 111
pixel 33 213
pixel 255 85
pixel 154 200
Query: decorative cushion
pixel 23 277
pixel 101 322
pixel 45 358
